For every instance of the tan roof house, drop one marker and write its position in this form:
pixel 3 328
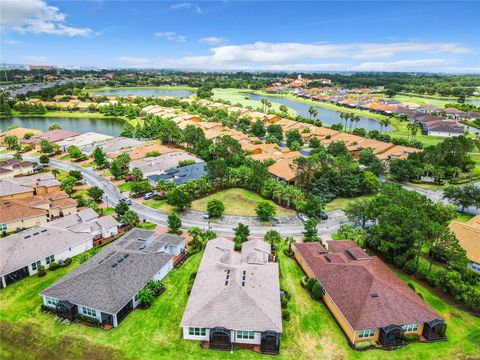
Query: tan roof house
pixel 468 235
pixel 159 164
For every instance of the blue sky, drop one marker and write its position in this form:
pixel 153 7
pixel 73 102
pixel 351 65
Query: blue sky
pixel 330 36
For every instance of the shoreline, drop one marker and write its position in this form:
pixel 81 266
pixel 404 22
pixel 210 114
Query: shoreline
pixel 111 88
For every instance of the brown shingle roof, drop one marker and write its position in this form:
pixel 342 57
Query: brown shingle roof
pixel 468 235
pixel 351 283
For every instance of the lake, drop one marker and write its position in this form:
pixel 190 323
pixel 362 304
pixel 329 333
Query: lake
pixel 328 116
pixel 147 92
pixel 105 126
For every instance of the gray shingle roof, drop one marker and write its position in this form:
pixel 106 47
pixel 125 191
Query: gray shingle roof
pixel 253 304
pixel 102 285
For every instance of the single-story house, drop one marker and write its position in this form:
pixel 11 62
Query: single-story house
pixel 18 132
pixel 141 151
pixel 38 184
pixel 368 300
pixel 16 167
pixel 83 140
pixel 180 175
pixel 106 286
pixel 23 252
pixel 112 145
pixel 468 235
pixel 445 128
pixel 284 169
pixel 235 299
pixel 159 164
pixel 52 136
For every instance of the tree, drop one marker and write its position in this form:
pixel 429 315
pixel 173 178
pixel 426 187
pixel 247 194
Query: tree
pixel 95 193
pixel 67 184
pixel 46 147
pixel 371 183
pixel 179 198
pixel 196 233
pixel 55 126
pixel 312 112
pixel 273 237
pixel 12 142
pixel 140 187
pixel 163 186
pixel 312 206
pixel 204 92
pixel 317 291
pixel 55 172
pixel 44 159
pixel 77 174
pixel 130 218
pixel 258 129
pixel 390 93
pixel 315 143
pixel 145 296
pixel 337 148
pixel 241 233
pixel 344 230
pixel 464 196
pixel 121 208
pixel 174 223
pixel 99 157
pixel 74 152
pixel 294 136
pixel 265 210
pixel 359 212
pixel 310 232
pixel 215 208
pixel 137 174
pixel 283 109
pixel 5 108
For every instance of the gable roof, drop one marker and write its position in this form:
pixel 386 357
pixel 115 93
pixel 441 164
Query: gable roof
pixel 365 290
pixel 468 235
pixel 253 304
pixel 112 277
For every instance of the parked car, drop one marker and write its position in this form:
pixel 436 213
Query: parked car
pixel 303 217
pixel 126 200
pixel 149 195
pixel 322 216
pixel 37 167
pixel 206 215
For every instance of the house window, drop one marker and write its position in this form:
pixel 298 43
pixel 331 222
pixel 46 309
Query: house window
pixel 3 227
pixel 410 327
pixel 51 301
pixel 195 331
pixel 50 259
pixel 367 333
pixel 476 266
pixel 246 335
pixel 89 311
pixel 35 265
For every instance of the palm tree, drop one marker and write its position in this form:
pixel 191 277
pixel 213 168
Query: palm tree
pixel 354 118
pixel 264 103
pixel 345 116
pixel 283 109
pixel 455 171
pixel 429 169
pixel 311 111
pixel 386 123
pixel 269 105
pixel 55 172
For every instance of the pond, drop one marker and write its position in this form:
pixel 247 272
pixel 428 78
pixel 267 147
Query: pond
pixel 328 116
pixel 147 92
pixel 106 126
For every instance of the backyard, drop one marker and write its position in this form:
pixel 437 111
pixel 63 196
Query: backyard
pixel 312 333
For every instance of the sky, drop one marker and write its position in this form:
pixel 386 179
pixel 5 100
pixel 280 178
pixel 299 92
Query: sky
pixel 413 36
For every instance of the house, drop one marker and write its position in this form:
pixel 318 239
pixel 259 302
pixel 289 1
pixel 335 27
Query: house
pixel 179 175
pixel 368 300
pixel 445 128
pixel 89 222
pixel 83 140
pixel 284 169
pixel 118 144
pixel 23 252
pixel 235 299
pixel 18 132
pixel 141 151
pixel 15 167
pixel 10 189
pixel 159 164
pixel 37 183
pixel 468 235
pixel 454 113
pixel 52 136
pixel 16 214
pixel 106 286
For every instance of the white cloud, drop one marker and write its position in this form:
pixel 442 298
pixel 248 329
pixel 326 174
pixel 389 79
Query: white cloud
pixel 37 17
pixel 299 56
pixel 186 6
pixel 11 42
pixel 213 40
pixel 171 36
pixel 35 59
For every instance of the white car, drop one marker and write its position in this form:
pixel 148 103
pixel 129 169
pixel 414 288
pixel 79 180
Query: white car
pixel 303 217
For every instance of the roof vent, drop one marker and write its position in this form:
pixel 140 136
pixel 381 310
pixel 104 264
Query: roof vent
pixel 244 276
pixel 44 230
pixel 28 236
pixel 227 277
pixel 114 264
pixel 374 295
pixel 125 256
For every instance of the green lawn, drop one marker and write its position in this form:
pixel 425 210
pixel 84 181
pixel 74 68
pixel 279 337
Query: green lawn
pixel 125 186
pixel 108 211
pixel 147 225
pixel 341 203
pixel 90 164
pixel 238 202
pixel 108 88
pixel 312 333
pixel 159 205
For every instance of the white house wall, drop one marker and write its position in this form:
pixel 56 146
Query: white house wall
pixel 164 271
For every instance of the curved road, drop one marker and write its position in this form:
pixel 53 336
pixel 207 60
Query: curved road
pixel 287 226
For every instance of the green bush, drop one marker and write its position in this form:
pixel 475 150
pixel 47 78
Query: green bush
pixel 420 295
pixel 284 302
pixel 317 291
pixel 364 345
pixel 286 315
pixel 410 267
pixel 53 266
pixel 310 284
pixel 411 337
pixel 287 294
pixel 41 271
pixel 88 319
pixel 411 286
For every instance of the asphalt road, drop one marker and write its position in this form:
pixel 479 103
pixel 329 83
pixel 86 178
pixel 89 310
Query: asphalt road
pixel 286 226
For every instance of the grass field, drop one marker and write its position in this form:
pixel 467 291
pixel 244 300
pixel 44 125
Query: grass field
pixel 341 203
pixel 312 333
pixel 159 205
pixel 238 202
pixel 425 99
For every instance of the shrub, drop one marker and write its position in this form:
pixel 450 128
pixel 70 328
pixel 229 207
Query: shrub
pixel 87 319
pixel 193 276
pixel 53 266
pixel 310 283
pixel 286 315
pixel 66 262
pixel 238 246
pixel 411 337
pixel 364 345
pixel 287 294
pixel 317 291
pixel 284 302
pixel 411 286
pixel 419 294
pixel 41 271
pixel 410 266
